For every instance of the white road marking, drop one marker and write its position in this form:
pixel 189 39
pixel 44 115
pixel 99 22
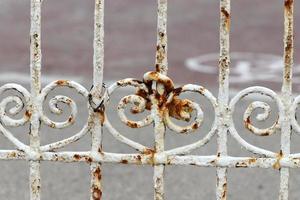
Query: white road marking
pixel 245 67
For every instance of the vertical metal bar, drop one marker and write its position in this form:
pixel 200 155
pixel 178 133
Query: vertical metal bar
pixel 162 39
pixel 161 63
pixel 97 116
pixel 224 62
pixel 159 131
pixel 287 95
pixel 35 70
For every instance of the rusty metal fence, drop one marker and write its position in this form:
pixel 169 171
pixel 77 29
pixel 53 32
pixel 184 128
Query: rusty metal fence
pixel 157 94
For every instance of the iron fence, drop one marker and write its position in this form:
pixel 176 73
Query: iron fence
pixel 156 93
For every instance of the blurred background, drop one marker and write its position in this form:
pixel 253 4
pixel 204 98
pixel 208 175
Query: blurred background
pixel 130 44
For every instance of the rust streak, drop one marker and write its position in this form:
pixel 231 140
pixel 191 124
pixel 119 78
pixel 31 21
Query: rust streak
pixel 97 173
pixel 132 124
pixel 288 4
pixel 102 116
pixel 227 18
pixel 224 191
pixel 277 163
pixel 28 114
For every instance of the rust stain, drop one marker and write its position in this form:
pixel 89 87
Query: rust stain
pixel 12 155
pixel 125 101
pixel 88 159
pixel 252 160
pixel 213 162
pixel 185 130
pixel 169 85
pixel 149 151
pixel 202 90
pixel 177 91
pixel 68 101
pixel 154 76
pixel 265 133
pixel 277 163
pixel 288 4
pixel 152 153
pixel 96 191
pixel 97 173
pixel 224 63
pixel 161 35
pixel 132 124
pixel 52 125
pixel 97 194
pixel 124 161
pixel 36 50
pixel 161 101
pixel 195 126
pixel 61 82
pixel 224 194
pixel 227 18
pixel 71 119
pixel 288 40
pixel 160 56
pixel 161 51
pixel 100 150
pixel 144 95
pixel 249 126
pixel 102 116
pixel 288 57
pixel 247 122
pixel 157 67
pixel 28 114
pixel 77 157
pixel 139 159
pixel 180 109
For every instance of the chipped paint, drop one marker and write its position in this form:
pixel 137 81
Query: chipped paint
pixel 223 96
pixel 97 93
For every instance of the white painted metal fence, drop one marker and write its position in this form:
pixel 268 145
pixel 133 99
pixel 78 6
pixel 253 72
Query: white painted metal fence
pixel 156 93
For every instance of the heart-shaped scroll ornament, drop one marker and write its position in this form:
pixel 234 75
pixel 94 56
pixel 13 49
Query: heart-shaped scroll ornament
pixel 53 105
pixel 160 88
pixel 22 102
pixel 168 101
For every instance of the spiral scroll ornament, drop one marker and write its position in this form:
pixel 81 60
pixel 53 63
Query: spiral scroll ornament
pixel 265 92
pixel 166 98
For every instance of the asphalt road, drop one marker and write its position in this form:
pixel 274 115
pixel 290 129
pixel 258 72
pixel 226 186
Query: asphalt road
pixel 130 37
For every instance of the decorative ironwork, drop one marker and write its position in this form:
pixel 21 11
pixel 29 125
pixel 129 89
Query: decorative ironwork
pixel 155 94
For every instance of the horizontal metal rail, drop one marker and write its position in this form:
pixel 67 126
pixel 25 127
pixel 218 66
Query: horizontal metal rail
pixel 293 161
